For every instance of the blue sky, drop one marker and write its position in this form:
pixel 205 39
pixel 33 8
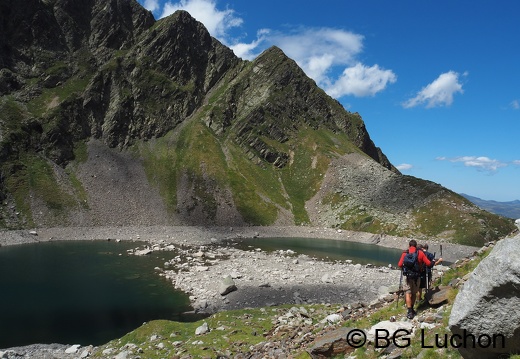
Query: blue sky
pixel 436 82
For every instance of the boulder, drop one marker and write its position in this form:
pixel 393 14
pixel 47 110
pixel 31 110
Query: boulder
pixel 438 295
pixel 486 312
pixel 143 252
pixel 73 349
pixel 203 329
pixel 227 285
pixel 331 343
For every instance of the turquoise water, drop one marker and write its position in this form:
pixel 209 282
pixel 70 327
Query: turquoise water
pixel 327 249
pixel 81 293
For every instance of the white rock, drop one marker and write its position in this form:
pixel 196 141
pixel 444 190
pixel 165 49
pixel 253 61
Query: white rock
pixel 333 318
pixel 122 355
pixel 203 329
pixel 236 275
pixel 73 349
pixel 427 325
pixel 108 351
pixel 143 252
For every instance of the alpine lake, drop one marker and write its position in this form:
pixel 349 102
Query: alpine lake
pixel 91 292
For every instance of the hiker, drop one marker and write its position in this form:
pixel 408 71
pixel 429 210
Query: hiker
pixel 426 272
pixel 413 274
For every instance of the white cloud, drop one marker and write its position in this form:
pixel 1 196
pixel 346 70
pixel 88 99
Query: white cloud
pixel 361 80
pixel 316 50
pixel 250 51
pixel 439 93
pixel 151 5
pixel 404 167
pixel 480 163
pixel 516 162
pixel 217 22
pixel 515 104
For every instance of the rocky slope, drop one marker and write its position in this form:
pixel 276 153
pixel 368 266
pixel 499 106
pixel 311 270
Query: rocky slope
pixel 110 117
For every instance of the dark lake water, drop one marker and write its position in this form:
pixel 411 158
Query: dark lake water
pixel 81 293
pixel 327 249
pixel 90 292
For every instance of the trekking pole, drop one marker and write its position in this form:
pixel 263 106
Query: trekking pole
pixel 440 283
pixel 427 283
pixel 400 289
pixel 431 270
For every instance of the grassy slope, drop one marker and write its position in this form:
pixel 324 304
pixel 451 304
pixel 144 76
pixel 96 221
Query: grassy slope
pixel 259 189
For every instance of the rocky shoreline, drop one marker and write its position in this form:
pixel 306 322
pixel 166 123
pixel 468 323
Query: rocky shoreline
pixel 256 278
pixel 196 236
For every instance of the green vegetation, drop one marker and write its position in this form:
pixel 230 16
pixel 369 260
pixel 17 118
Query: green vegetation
pixel 312 151
pixel 80 156
pixel 204 163
pixel 58 68
pixel 196 158
pixel 257 191
pixel 12 115
pixel 438 217
pixel 35 180
pixel 51 97
pixel 230 331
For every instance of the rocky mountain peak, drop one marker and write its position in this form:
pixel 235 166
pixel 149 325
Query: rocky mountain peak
pixel 168 109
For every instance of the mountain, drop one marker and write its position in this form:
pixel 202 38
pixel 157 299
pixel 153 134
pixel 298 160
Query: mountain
pixel 510 209
pixel 109 117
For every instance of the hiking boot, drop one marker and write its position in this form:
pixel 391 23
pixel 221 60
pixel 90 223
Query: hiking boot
pixel 411 313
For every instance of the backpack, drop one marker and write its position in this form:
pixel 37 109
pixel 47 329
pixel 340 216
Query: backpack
pixel 431 257
pixel 411 267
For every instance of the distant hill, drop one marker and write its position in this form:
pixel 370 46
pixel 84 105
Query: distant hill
pixel 509 209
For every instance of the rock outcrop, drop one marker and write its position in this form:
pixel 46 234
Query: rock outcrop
pixel 486 312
